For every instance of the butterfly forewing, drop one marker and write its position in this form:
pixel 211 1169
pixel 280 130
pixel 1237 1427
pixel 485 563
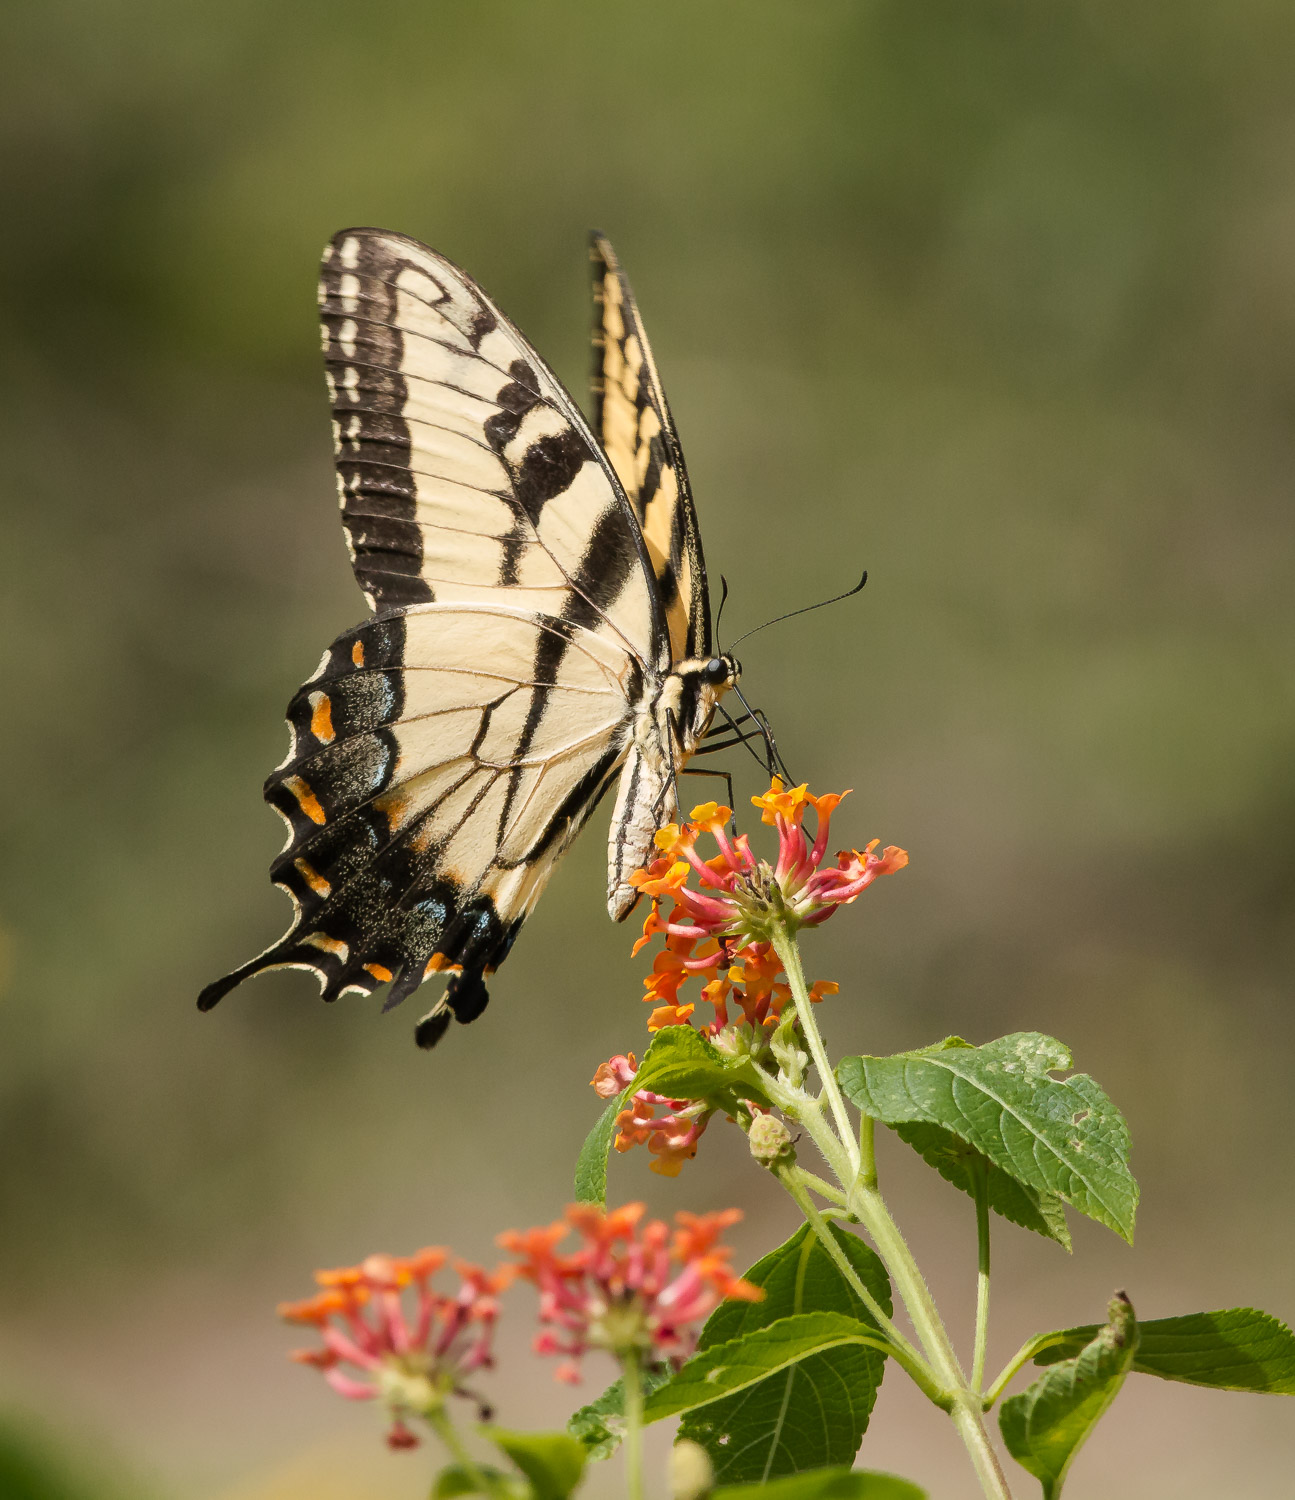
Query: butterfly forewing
pixel 633 421
pixel 463 466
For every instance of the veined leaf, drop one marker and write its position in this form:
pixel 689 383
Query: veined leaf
pixel 682 1064
pixel 591 1165
pixel 1055 1136
pixel 1237 1349
pixel 724 1369
pixel 815 1412
pixel 553 1462
pixel 1045 1426
pixel 825 1484
pixel 957 1162
pixel 600 1426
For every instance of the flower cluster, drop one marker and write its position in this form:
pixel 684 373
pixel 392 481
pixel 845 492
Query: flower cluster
pixel 721 932
pixel 376 1346
pixel 636 1291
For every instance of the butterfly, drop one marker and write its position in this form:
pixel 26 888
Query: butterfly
pixel 541 630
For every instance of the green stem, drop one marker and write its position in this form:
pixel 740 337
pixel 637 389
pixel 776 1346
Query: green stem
pixel 911 1360
pixel 817 1185
pixel 785 947
pixel 449 1436
pixel 847 1160
pixel 633 1384
pixel 867 1150
pixel 980 1181
pixel 1023 1356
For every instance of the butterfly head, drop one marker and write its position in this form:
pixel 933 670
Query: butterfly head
pixel 721 673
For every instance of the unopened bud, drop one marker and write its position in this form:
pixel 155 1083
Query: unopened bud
pixel 689 1473
pixel 770 1140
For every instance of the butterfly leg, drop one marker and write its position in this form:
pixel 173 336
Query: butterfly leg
pixel 724 776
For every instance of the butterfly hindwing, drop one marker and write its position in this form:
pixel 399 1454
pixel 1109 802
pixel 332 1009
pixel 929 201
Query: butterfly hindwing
pixel 438 770
pixel 632 419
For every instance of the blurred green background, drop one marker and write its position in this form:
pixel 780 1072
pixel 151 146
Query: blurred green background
pixel 992 297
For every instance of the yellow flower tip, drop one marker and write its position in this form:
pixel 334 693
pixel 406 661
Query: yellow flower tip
pixel 669 1015
pixel 776 802
pixel 709 817
pixel 667 838
pixel 895 859
pixel 822 987
pixel 826 804
pixel 667 1166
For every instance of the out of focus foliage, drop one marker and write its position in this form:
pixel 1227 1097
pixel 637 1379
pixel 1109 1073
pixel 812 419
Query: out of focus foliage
pixel 991 297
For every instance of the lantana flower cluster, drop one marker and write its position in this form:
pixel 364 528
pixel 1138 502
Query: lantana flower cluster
pixel 720 930
pixel 637 1291
pixel 388 1335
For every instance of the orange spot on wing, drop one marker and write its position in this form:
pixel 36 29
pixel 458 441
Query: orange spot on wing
pixel 321 718
pixel 379 971
pixel 393 805
pixel 357 653
pixel 313 878
pixel 440 963
pixel 326 944
pixel 309 802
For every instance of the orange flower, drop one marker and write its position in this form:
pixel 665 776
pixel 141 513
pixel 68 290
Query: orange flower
pixel 374 1346
pixel 626 1288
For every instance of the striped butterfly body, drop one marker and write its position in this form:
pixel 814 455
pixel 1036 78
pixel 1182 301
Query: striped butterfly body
pixel 541 629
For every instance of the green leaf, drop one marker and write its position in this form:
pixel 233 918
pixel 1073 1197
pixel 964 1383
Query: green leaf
pixel 591 1165
pixel 825 1484
pixel 1045 1426
pixel 456 1480
pixel 600 1426
pixel 1237 1349
pixel 957 1162
pixel 816 1412
pixel 727 1368
pixel 682 1064
pixel 1055 1136
pixel 553 1462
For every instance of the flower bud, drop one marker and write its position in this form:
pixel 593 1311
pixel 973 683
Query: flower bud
pixel 770 1141
pixel 689 1472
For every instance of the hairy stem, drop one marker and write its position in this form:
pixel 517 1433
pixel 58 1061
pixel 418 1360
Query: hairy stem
pixel 1023 1356
pixel 981 1184
pixel 904 1351
pixel 846 1157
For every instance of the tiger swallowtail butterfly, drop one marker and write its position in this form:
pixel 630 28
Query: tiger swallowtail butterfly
pixel 541 629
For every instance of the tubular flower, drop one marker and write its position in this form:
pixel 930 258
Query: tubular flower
pixel 672 1137
pixel 721 926
pixel 376 1346
pixel 633 1291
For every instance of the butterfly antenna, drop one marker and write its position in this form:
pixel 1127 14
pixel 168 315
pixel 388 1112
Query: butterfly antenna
pixel 809 608
pixel 723 600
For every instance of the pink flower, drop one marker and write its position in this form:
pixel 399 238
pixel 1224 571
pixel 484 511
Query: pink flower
pixel 634 1292
pixel 377 1346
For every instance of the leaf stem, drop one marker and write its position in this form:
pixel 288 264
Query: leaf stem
pixel 980 1182
pixel 1023 1356
pixel 846 1157
pixel 633 1385
pixel 903 1351
pixel 867 1150
pixel 823 1189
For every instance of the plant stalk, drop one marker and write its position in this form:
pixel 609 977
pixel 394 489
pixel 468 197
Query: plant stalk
pixel 846 1158
pixel 981 1184
pixel 632 1376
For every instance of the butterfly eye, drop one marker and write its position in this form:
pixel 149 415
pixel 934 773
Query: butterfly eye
pixel 715 671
